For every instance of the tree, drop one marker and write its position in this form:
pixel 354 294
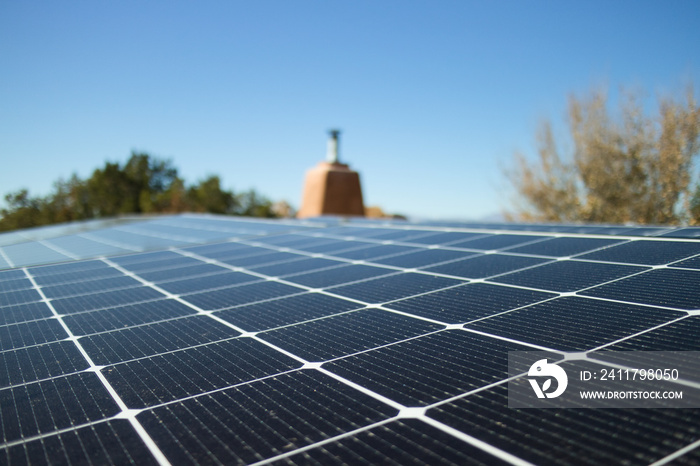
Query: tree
pixel 208 196
pixel 144 184
pixel 253 204
pixel 634 168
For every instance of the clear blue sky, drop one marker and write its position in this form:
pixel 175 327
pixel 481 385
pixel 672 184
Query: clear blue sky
pixel 433 97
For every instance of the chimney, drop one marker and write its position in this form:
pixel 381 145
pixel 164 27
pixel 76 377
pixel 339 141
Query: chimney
pixel 331 188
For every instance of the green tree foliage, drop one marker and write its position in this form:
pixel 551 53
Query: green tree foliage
pixel 143 185
pixel 634 168
pixel 208 196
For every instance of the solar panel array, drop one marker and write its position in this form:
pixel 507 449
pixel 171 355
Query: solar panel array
pixel 203 339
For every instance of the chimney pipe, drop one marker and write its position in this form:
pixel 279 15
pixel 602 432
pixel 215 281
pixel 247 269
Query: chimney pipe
pixel 332 151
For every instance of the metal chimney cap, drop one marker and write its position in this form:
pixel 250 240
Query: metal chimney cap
pixel 333 149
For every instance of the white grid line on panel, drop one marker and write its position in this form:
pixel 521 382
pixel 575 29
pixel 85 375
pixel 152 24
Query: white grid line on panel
pixel 343 380
pixel 480 444
pixel 145 437
pixel 677 454
pixel 327 441
pixel 6 258
pixel 58 249
pixel 456 433
pixel 116 244
pixel 56 432
pixel 138 230
pixel 553 234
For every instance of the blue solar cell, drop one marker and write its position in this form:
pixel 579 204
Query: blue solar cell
pixel 200 369
pixel 282 312
pixel 110 442
pixel 646 252
pixel 662 287
pixel 402 285
pixel 429 369
pixel 470 302
pixel 235 296
pixel 55 404
pixel 338 275
pixel 292 410
pixel 485 265
pixel 147 340
pixel 344 334
pixel 39 362
pixel 568 275
pixel 574 324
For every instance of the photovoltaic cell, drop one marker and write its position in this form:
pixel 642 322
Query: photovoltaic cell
pixel 372 252
pixel 84 247
pixel 30 333
pixel 570 436
pixel 33 253
pixel 662 287
pixel 11 274
pixel 310 244
pixel 568 275
pixel 397 443
pixel 338 275
pixel 180 261
pixel 89 287
pixel 692 263
pixel 468 302
pixel 59 403
pixel 393 287
pixel 563 247
pixel 110 442
pixel 147 340
pixel 91 266
pixel 24 312
pixel 40 362
pixel 400 235
pixel 497 242
pixel 235 296
pixel 574 324
pixel 485 265
pixel 279 240
pixel 300 265
pixel 681 335
pixel 442 238
pixel 221 249
pixel 282 312
pixel 148 257
pixel 289 411
pixel 182 273
pixel 10 298
pixel 429 369
pixel 122 317
pixel 207 282
pixel 105 300
pixel 345 334
pixel 683 233
pixel 423 257
pixel 181 374
pixel 15 285
pixel 646 252
pixel 84 275
pixel 268 257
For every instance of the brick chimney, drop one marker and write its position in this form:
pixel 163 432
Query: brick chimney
pixel 331 188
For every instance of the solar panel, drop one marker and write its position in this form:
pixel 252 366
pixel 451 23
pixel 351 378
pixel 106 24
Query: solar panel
pixel 198 339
